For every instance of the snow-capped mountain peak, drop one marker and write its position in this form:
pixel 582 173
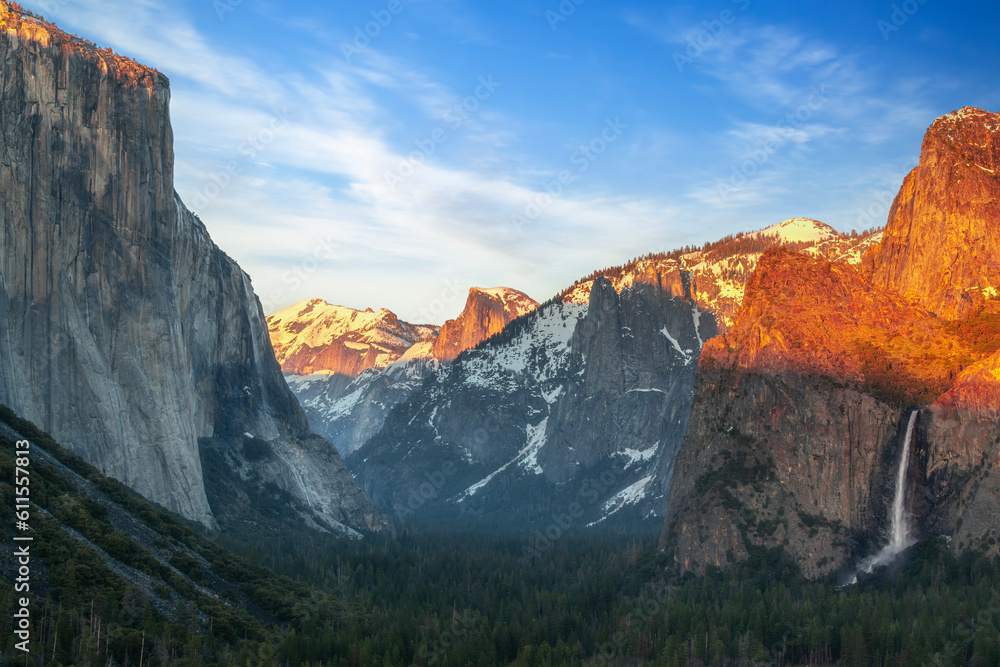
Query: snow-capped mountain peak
pixel 349 367
pixel 799 230
pixel 317 337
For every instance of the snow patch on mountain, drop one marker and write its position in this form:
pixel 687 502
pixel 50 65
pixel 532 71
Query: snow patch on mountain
pixel 306 338
pixel 635 456
pixel 718 272
pixel 552 331
pixel 686 354
pixel 536 440
pixel 422 350
pixel 630 495
pixel 517 303
pixel 527 458
pixel 799 230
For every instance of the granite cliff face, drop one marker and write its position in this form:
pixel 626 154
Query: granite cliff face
pixel 959 461
pixel 639 425
pixel 571 404
pixel 941 247
pixel 132 338
pixel 797 424
pixel 486 313
pixel 349 368
pixel 797 409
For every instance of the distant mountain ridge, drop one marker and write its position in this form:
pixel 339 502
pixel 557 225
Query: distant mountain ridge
pixel 348 368
pixel 315 337
pixel 512 430
pixel 562 432
pixel 720 269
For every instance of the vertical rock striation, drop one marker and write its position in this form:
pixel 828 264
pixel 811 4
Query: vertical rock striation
pixel 129 335
pixel 941 247
pixel 486 313
pixel 572 404
pixel 795 428
pixel 961 460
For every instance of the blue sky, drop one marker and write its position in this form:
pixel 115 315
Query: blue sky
pixel 397 152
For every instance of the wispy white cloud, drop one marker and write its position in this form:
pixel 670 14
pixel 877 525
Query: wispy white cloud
pixel 807 97
pixel 748 135
pixel 155 33
pixel 320 177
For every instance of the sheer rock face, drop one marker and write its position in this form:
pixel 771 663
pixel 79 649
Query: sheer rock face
pixel 486 312
pixel 941 247
pixel 785 448
pixel 799 409
pixel 130 336
pixel 793 462
pixel 572 404
pixel 961 458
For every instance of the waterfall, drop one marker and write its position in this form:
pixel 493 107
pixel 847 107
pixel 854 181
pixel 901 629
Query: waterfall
pixel 900 522
pixel 900 538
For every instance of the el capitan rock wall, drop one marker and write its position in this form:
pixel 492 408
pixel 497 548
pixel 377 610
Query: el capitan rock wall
pixel 130 336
